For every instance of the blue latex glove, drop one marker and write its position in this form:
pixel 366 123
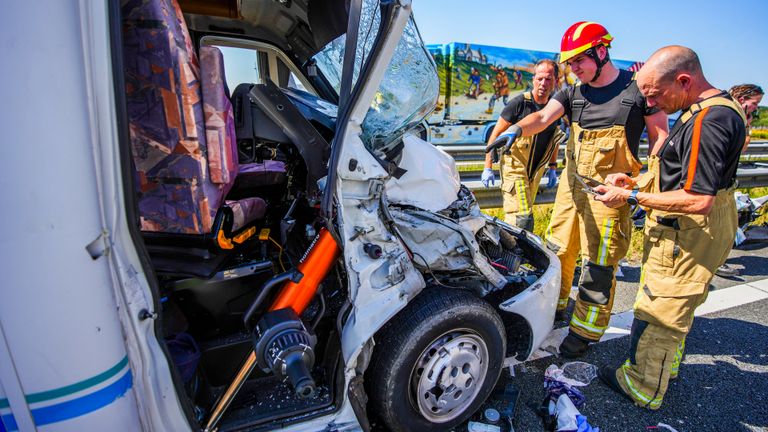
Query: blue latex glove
pixel 508 137
pixel 583 426
pixel 488 177
pixel 551 178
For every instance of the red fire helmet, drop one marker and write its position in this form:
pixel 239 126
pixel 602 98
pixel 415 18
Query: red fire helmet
pixel 582 36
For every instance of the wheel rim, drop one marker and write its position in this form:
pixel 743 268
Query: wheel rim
pixel 449 375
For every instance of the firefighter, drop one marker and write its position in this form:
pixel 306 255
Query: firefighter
pixel 748 96
pixel 607 114
pixel 691 221
pixel 523 166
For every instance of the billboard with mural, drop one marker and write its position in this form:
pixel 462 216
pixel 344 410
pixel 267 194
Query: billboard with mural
pixel 476 81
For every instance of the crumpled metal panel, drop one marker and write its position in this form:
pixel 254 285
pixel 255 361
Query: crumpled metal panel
pixel 440 243
pixel 431 181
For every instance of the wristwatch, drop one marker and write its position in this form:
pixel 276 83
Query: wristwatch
pixel 632 198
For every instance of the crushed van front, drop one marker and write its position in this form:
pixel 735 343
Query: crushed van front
pixel 537 303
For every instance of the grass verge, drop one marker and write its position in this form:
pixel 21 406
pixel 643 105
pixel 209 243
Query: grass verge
pixel 542 213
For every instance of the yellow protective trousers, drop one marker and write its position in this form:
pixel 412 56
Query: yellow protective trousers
pixel 680 256
pixel 521 176
pixel 517 188
pixel 579 224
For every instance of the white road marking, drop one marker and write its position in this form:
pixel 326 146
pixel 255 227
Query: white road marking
pixel 621 323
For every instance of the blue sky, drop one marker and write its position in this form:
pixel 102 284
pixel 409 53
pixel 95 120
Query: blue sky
pixel 728 36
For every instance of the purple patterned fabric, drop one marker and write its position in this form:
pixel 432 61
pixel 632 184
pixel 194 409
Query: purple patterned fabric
pixel 166 120
pixel 219 120
pixel 269 172
pixel 246 210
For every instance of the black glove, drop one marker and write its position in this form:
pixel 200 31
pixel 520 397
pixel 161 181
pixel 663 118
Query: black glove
pixel 507 138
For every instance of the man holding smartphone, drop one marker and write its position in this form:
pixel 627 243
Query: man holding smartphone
pixel 691 220
pixel 607 115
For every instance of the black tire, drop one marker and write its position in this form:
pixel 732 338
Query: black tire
pixel 469 335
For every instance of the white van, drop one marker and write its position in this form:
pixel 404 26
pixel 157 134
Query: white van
pixel 218 217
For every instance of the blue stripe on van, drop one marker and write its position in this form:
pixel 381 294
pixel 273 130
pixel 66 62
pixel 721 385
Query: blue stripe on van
pixel 7 422
pixel 76 407
pixel 72 388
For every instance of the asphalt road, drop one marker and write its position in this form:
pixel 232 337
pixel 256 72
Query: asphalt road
pixel 723 383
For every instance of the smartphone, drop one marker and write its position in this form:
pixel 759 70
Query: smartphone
pixel 589 184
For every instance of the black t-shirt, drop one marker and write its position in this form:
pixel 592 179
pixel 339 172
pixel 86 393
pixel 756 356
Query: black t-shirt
pixel 602 105
pixel 515 110
pixel 702 155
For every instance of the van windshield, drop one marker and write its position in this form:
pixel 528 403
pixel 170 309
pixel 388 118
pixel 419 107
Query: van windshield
pixel 408 92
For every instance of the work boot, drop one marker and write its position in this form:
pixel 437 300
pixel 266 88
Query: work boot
pixel 607 375
pixel 673 376
pixel 726 271
pixel 573 346
pixel 561 315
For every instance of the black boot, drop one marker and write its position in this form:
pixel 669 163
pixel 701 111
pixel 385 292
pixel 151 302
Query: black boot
pixel 561 315
pixel 607 375
pixel 573 346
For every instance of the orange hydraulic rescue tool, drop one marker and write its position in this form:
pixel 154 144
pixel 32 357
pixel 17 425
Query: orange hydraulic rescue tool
pixel 300 287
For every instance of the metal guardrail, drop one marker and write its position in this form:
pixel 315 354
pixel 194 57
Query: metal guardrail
pixel 475 152
pixel 749 174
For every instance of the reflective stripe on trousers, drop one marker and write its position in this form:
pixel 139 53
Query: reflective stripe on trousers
pixel 605 241
pixel 652 402
pixel 590 323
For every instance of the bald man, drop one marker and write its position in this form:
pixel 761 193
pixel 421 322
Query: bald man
pixel 691 221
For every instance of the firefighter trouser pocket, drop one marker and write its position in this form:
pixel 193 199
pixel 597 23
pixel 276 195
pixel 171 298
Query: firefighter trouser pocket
pixel 604 158
pixel 661 249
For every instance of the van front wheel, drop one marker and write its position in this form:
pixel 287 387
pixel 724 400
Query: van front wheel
pixel 436 361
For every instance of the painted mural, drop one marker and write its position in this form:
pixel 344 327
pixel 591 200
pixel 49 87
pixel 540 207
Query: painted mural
pixel 476 81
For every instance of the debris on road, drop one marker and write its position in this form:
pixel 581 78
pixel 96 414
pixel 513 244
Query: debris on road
pixel 662 426
pixel 569 419
pixel 575 373
pixel 482 427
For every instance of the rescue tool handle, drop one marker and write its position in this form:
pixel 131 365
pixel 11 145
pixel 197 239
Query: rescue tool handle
pixel 291 275
pixel 298 288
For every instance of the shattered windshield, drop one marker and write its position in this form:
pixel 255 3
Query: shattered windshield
pixel 331 59
pixel 406 95
pixel 408 91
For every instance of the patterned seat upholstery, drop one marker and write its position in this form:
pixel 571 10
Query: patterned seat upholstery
pixel 181 127
pixel 220 132
pixel 219 122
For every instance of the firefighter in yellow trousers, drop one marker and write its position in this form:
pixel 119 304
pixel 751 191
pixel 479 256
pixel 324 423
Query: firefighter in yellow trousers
pixel 607 114
pixel 691 220
pixel 523 166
